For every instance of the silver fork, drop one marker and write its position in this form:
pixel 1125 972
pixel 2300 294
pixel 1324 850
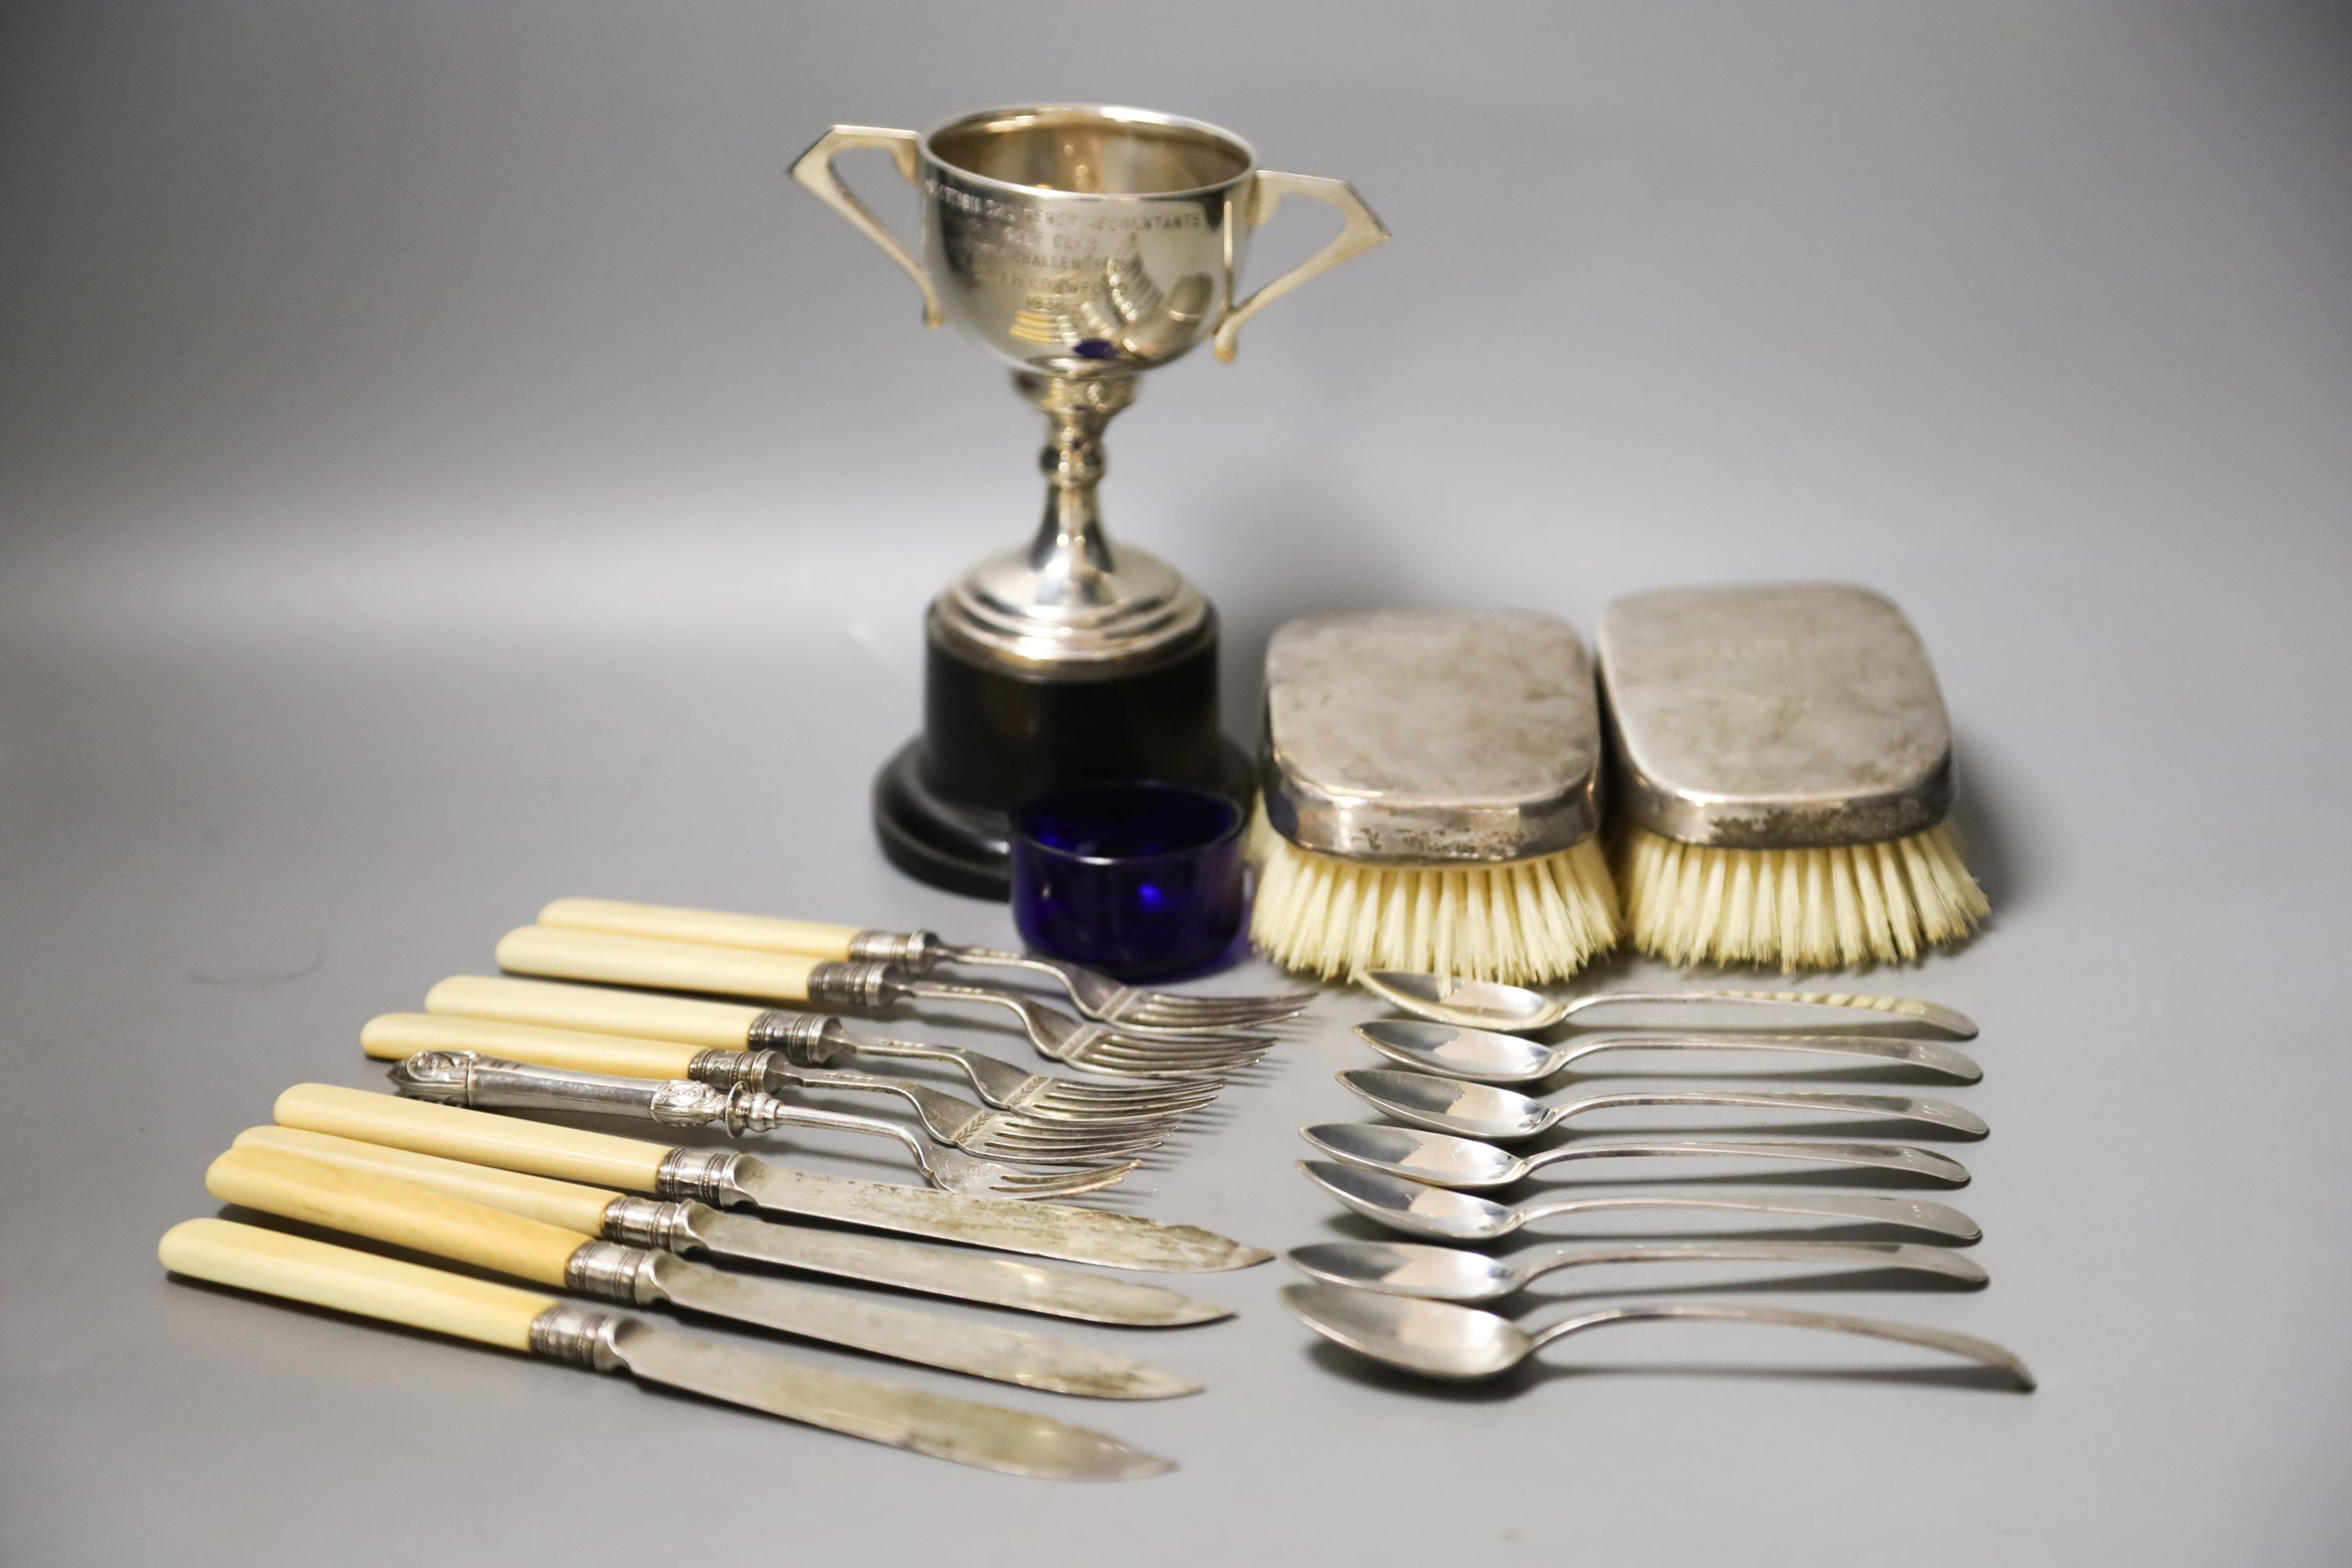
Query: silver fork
pixel 1130 1051
pixel 820 1040
pixel 949 1120
pixel 463 1078
pixel 1097 996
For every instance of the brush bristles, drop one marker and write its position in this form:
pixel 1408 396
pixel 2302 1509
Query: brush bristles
pixel 1526 921
pixel 1801 909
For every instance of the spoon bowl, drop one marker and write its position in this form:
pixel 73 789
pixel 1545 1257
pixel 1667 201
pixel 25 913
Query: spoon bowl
pixel 1490 1004
pixel 1441 1339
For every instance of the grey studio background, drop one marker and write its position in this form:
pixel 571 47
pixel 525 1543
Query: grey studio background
pixel 445 465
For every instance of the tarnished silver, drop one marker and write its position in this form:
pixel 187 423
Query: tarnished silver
pixel 1489 1056
pixel 1081 244
pixel 615 1271
pixel 642 1277
pixel 1094 993
pixel 1488 1111
pixel 578 1335
pixel 1490 1004
pixel 1468 1164
pixel 701 1176
pixel 1420 1209
pixel 1438 1338
pixel 1464 1274
pixel 992 1133
pixel 464 1078
pixel 820 1040
pixel 1013 1442
pixel 1131 1050
pixel 1040 1230
pixel 1431 737
pixel 685 1227
pixel 1773 716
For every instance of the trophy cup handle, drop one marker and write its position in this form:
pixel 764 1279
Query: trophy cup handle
pixel 813 169
pixel 1360 230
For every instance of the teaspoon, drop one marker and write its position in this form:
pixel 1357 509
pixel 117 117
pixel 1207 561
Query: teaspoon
pixel 1490 1056
pixel 1465 1163
pixel 1437 1339
pixel 1424 1210
pixel 1489 1005
pixel 1483 1111
pixel 1460 1273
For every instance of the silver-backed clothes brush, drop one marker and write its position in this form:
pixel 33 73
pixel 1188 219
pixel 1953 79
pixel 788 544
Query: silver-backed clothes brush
pixel 994 1134
pixel 344 1280
pixel 1782 764
pixel 1097 996
pixel 482 1083
pixel 866 985
pixel 1490 1004
pixel 1488 1056
pixel 814 1039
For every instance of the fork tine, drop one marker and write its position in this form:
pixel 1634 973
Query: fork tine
pixel 1064 1184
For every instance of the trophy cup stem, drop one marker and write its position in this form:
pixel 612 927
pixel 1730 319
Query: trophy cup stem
pixel 1071 555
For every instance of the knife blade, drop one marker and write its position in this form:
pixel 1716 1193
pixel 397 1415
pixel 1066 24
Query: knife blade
pixel 695 1229
pixel 729 1179
pixel 386 1208
pixel 298 1269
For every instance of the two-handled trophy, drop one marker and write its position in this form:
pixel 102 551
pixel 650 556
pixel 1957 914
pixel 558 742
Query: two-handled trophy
pixel 1084 245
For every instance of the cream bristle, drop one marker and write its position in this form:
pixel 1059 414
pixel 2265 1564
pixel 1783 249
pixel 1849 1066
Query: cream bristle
pixel 1524 920
pixel 1799 908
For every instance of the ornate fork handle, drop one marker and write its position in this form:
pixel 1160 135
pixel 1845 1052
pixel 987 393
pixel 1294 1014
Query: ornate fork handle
pixel 464 1078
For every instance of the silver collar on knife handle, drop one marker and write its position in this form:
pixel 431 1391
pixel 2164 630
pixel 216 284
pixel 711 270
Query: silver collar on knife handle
pixel 1075 1235
pixel 969 1433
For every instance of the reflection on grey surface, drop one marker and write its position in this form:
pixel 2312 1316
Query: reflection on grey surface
pixel 442 466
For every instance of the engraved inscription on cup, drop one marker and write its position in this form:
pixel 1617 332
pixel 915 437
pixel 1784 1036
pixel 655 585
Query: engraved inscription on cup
pixel 1076 284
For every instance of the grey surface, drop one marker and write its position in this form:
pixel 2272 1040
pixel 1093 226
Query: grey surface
pixel 445 467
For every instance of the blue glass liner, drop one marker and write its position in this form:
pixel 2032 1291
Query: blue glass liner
pixel 1139 878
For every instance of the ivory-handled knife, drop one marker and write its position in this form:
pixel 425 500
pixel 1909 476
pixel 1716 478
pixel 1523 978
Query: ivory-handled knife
pixel 730 1179
pixel 693 1228
pixel 383 1208
pixel 297 1268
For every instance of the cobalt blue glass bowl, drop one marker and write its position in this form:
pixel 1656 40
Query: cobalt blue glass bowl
pixel 1138 878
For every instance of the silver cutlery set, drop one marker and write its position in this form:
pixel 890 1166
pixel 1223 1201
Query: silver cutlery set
pixel 1408 1304
pixel 440 1169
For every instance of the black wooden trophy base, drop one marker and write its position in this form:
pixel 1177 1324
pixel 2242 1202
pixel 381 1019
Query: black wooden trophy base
pixel 994 737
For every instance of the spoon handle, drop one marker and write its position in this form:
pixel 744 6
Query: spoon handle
pixel 1889 1106
pixel 1965 1346
pixel 1944 1020
pixel 1910 1213
pixel 1876 1156
pixel 1926 1055
pixel 1537 1262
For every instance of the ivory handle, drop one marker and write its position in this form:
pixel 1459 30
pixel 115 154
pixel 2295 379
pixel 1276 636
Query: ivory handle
pixel 567 1203
pixel 714 928
pixel 396 1037
pixel 649 960
pixel 381 1208
pixel 300 1269
pixel 725 1026
pixel 456 1133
